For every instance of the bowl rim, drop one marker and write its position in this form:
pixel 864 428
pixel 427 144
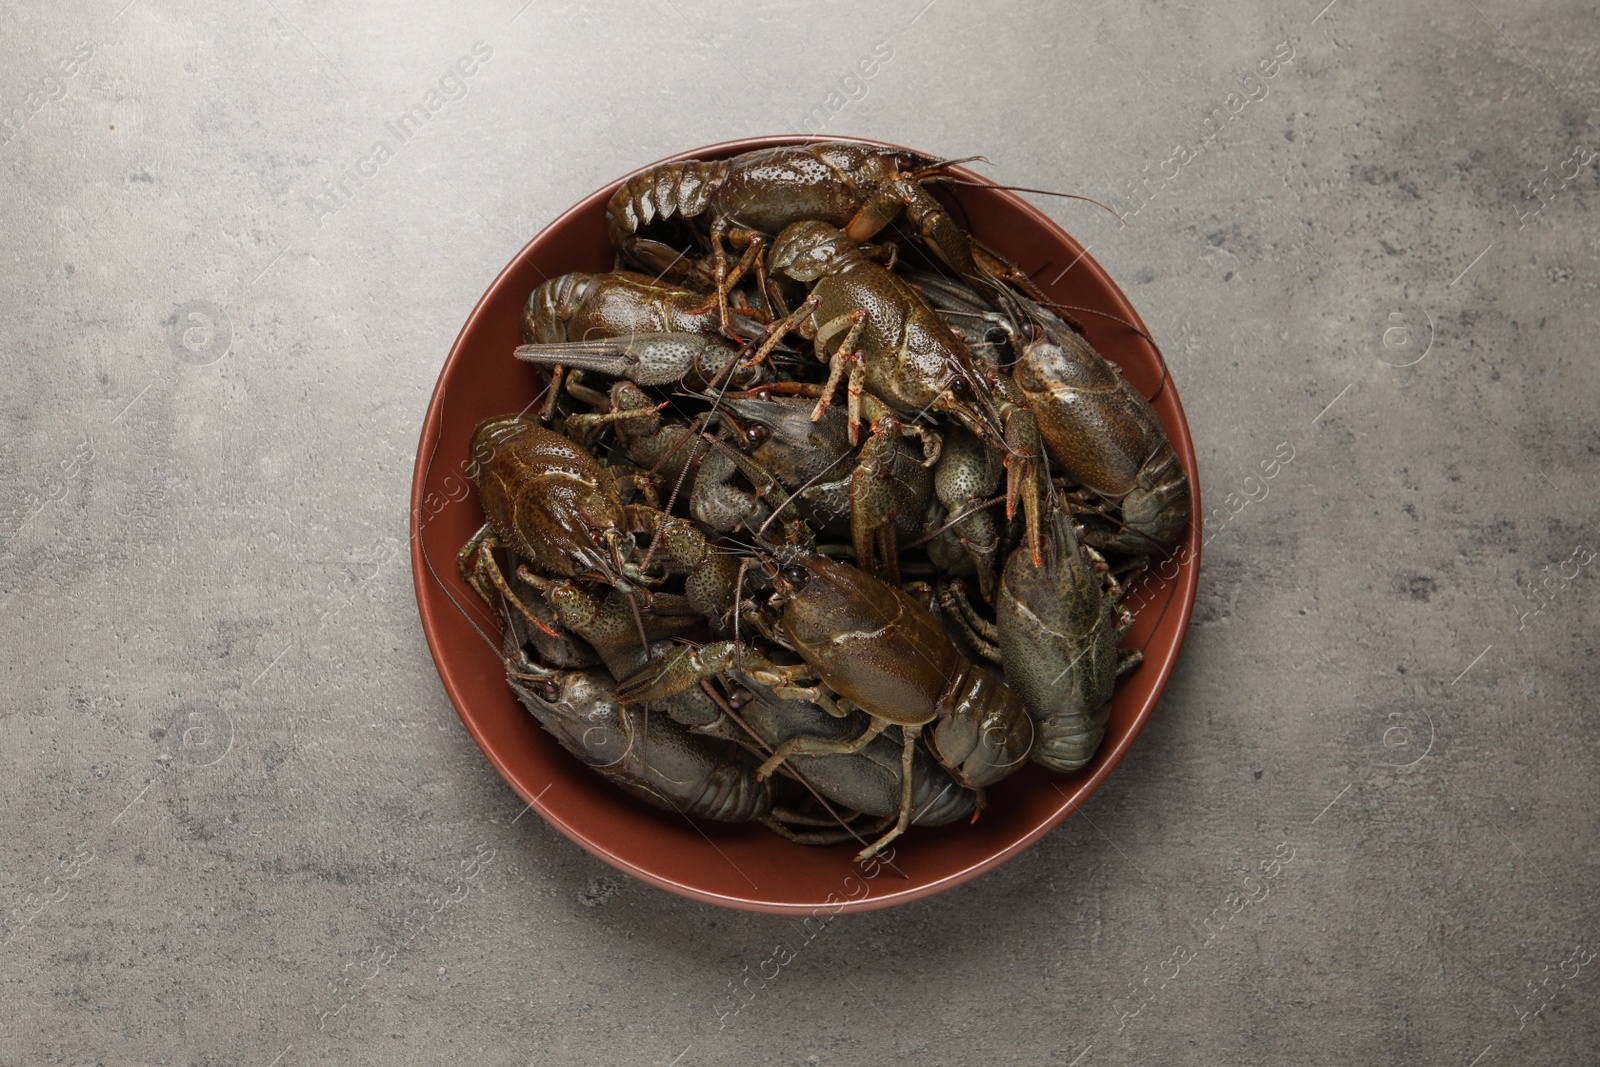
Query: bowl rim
pixel 1185 580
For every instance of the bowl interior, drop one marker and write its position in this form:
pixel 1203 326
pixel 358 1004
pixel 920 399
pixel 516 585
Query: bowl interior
pixel 749 867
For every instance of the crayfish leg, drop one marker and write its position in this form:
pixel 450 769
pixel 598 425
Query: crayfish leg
pixel 1002 269
pixel 1022 485
pixel 979 631
pixel 907 753
pixel 474 543
pixel 879 210
pixel 548 412
pixel 780 329
pixel 812 746
pixel 943 236
pixel 601 418
pixel 593 397
pixel 831 386
pixel 1024 471
pixel 681 670
pixel 726 279
pixel 845 357
pixel 1128 659
pixel 485 574
pixel 821 837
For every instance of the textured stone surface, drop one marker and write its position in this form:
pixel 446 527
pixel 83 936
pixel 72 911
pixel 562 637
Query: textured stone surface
pixel 239 805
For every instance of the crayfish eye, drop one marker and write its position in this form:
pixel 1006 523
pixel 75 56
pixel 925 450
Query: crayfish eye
pixel 795 576
pixel 959 386
pixel 757 433
pixel 550 690
pixel 740 697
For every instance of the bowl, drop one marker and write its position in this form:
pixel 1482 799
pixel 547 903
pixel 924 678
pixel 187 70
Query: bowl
pixel 749 867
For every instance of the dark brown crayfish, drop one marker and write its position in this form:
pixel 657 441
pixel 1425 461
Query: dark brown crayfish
pixel 869 645
pixel 749 199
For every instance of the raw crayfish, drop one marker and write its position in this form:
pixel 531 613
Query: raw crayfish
pixel 668 635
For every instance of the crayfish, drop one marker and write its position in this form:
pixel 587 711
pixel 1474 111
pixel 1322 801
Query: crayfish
pixel 732 576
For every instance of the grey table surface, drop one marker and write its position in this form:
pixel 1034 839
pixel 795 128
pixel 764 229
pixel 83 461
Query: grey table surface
pixel 242 822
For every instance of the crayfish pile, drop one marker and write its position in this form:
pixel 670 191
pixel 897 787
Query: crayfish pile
pixel 790 503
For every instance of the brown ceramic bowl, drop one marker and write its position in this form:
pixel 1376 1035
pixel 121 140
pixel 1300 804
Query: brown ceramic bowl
pixel 748 867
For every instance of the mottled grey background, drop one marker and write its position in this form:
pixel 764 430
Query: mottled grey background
pixel 242 823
